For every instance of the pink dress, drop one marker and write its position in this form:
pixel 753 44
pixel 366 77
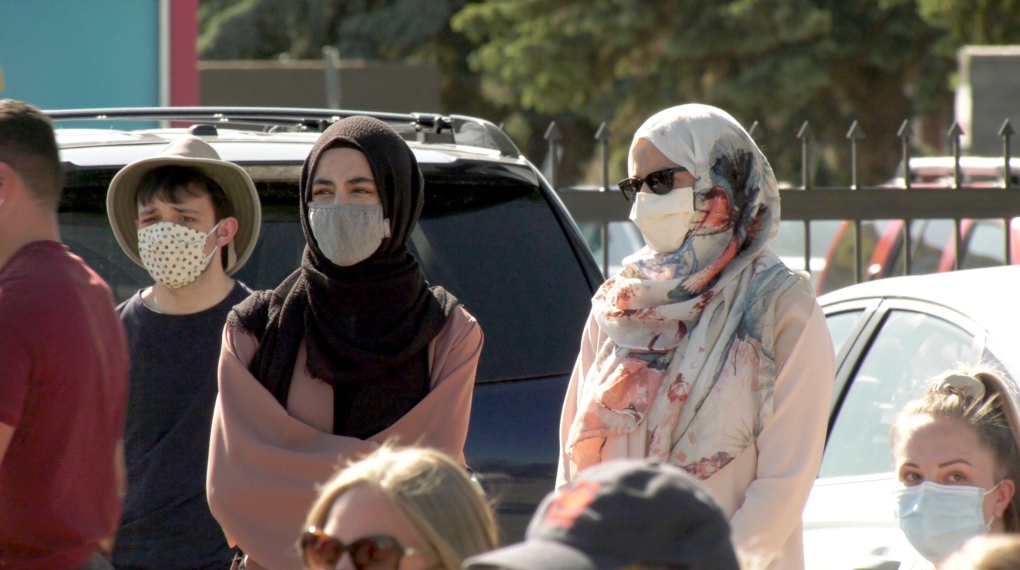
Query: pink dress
pixel 765 487
pixel 265 462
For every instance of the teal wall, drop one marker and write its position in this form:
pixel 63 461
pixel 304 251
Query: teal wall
pixel 63 54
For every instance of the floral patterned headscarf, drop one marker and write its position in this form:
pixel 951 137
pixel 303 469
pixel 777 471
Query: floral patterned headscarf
pixel 690 356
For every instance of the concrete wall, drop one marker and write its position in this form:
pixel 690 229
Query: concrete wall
pixel 374 86
pixel 988 93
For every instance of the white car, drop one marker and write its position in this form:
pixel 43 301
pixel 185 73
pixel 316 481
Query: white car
pixel 624 239
pixel 891 336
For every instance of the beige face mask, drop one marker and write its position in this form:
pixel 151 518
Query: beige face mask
pixel 664 220
pixel 347 234
pixel 174 254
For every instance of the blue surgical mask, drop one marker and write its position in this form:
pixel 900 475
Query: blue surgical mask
pixel 938 519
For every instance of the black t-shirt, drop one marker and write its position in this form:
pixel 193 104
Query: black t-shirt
pixel 166 522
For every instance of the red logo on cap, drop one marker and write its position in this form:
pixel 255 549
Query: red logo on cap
pixel 570 503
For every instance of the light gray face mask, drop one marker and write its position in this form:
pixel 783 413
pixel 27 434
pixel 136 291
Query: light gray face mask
pixel 347 234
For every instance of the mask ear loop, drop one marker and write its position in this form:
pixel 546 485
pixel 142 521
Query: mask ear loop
pixel 214 228
pixel 989 522
pixel 989 491
pixel 216 247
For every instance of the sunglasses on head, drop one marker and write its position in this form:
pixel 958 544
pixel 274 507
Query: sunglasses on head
pixel 321 551
pixel 660 182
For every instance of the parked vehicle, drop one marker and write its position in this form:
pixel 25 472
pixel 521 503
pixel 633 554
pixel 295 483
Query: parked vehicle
pixel 932 243
pixel 624 239
pixel 789 245
pixel 492 231
pixel 941 171
pixel 891 337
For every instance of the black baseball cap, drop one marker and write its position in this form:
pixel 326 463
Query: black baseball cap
pixel 617 514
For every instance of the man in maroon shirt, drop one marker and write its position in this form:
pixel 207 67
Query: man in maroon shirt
pixel 63 369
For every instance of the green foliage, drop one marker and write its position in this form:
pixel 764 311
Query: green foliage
pixel 415 30
pixel 777 61
pixel 369 29
pixel 973 21
pixel 582 62
pixel 249 29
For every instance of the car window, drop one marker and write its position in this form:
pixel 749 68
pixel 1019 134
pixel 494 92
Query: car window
pixel 624 239
pixel 840 325
pixel 788 244
pixel 493 242
pixel 502 252
pixel 908 351
pixel 985 246
pixel 839 266
pixel 929 239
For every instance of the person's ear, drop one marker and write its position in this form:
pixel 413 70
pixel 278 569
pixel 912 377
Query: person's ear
pixel 227 230
pixel 6 180
pixel 1003 496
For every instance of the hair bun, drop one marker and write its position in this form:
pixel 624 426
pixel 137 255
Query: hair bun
pixel 962 384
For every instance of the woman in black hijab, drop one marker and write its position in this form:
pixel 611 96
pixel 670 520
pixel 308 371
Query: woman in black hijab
pixel 352 349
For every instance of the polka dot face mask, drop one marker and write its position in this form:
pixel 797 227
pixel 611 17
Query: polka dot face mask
pixel 174 254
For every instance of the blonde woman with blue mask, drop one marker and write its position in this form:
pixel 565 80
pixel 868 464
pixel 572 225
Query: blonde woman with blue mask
pixel 957 456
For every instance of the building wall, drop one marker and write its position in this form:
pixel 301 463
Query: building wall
pixel 59 54
pixel 988 94
pixel 375 86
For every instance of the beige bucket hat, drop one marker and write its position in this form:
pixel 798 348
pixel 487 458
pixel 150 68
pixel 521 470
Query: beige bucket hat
pixel 192 152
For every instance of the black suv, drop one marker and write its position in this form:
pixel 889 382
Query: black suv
pixel 492 231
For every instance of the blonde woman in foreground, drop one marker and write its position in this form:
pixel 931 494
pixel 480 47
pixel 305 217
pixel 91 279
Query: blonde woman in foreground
pixel 407 509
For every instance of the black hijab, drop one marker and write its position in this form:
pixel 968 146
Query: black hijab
pixel 367 327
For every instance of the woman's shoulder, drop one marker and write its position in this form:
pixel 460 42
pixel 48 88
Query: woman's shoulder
pixel 254 312
pixel 772 282
pixel 455 351
pixel 241 342
pixel 461 326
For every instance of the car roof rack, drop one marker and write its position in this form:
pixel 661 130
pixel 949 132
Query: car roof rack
pixel 467 131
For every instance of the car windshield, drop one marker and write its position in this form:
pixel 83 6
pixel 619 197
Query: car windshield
pixel 493 241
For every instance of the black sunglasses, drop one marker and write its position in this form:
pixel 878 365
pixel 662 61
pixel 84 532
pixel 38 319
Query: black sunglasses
pixel 322 552
pixel 659 182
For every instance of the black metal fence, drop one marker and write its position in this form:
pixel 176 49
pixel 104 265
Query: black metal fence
pixel 955 201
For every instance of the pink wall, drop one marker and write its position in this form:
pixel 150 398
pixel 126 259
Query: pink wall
pixel 183 53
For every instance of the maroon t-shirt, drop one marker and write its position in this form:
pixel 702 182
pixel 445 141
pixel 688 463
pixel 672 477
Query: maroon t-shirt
pixel 63 387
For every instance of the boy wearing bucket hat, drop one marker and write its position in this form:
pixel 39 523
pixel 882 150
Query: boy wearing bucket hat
pixel 191 220
pixel 622 514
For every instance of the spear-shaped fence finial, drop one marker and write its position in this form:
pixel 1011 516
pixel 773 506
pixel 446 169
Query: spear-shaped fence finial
pixel 954 134
pixel 755 132
pixel 1006 132
pixel 855 134
pixel 602 136
pixel 805 134
pixel 554 136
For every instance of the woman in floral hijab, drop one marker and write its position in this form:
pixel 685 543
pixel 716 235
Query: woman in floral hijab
pixel 705 351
